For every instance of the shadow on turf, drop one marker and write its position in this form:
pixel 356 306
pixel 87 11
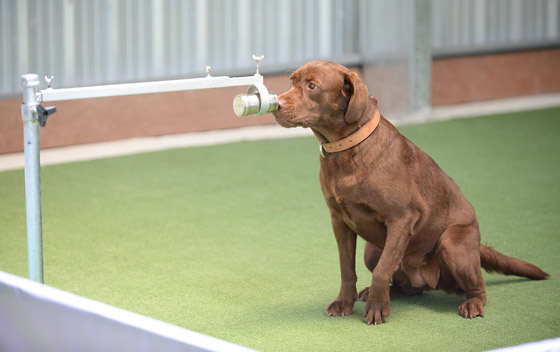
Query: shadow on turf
pixel 500 280
pixel 441 302
pixel 436 301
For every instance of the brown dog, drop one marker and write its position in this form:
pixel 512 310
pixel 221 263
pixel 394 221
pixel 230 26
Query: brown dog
pixel 421 231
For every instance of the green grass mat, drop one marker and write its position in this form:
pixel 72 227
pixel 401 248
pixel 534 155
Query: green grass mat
pixel 234 241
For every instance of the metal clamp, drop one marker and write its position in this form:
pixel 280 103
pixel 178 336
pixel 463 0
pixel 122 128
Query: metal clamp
pixel 257 101
pixel 43 114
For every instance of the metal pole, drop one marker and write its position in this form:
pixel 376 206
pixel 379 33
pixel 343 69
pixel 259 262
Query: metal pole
pixel 420 57
pixel 114 90
pixel 30 83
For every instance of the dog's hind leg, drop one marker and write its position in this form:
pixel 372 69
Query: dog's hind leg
pixel 460 252
pixel 400 287
pixel 371 258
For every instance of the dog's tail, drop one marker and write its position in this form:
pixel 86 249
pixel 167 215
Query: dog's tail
pixel 493 261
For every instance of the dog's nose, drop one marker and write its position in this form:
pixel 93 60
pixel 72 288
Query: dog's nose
pixel 281 101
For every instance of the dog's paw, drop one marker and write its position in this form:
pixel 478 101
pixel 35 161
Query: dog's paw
pixel 376 314
pixel 472 308
pixel 363 295
pixel 377 308
pixel 340 308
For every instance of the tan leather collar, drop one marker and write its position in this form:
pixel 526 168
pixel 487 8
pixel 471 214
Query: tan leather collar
pixel 352 140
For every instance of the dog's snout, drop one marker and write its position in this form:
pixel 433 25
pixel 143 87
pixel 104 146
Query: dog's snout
pixel 281 101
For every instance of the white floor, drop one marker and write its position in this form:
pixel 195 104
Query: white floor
pixel 51 156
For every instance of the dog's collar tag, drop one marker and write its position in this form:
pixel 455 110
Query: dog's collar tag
pixel 352 140
pixel 322 151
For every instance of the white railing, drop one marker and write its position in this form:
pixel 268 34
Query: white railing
pixel 35 317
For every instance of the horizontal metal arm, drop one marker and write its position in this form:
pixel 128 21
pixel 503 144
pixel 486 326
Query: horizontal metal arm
pixel 112 90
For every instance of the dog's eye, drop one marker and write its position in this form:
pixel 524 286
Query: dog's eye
pixel 312 86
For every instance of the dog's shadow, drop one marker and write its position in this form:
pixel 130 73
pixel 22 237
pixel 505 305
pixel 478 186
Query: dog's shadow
pixel 501 280
pixel 436 301
pixel 442 302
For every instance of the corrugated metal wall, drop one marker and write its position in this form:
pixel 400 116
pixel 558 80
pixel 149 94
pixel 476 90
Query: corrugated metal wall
pixel 86 42
pixel 470 26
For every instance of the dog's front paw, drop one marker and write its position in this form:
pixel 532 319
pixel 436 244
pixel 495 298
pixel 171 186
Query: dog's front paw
pixel 377 310
pixel 340 308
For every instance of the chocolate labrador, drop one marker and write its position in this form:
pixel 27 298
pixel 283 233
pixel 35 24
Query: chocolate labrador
pixel 421 233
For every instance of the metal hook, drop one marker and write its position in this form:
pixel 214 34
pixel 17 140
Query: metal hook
pixel 258 59
pixel 49 81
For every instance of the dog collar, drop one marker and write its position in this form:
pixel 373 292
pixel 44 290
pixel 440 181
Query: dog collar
pixel 352 140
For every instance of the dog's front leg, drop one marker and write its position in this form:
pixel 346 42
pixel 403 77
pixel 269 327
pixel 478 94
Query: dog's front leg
pixel 378 302
pixel 346 241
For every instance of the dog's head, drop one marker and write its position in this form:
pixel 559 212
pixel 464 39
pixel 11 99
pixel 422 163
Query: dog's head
pixel 322 93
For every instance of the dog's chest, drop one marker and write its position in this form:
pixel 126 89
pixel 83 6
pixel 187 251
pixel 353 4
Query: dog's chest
pixel 356 209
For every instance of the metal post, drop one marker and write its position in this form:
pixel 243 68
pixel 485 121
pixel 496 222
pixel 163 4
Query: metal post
pixel 420 58
pixel 30 83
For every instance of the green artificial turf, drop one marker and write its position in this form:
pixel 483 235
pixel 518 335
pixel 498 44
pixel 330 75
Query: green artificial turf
pixel 234 240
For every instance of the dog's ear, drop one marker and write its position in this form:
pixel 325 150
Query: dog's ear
pixel 357 93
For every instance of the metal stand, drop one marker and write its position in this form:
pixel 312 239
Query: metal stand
pixel 30 118
pixel 34 115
